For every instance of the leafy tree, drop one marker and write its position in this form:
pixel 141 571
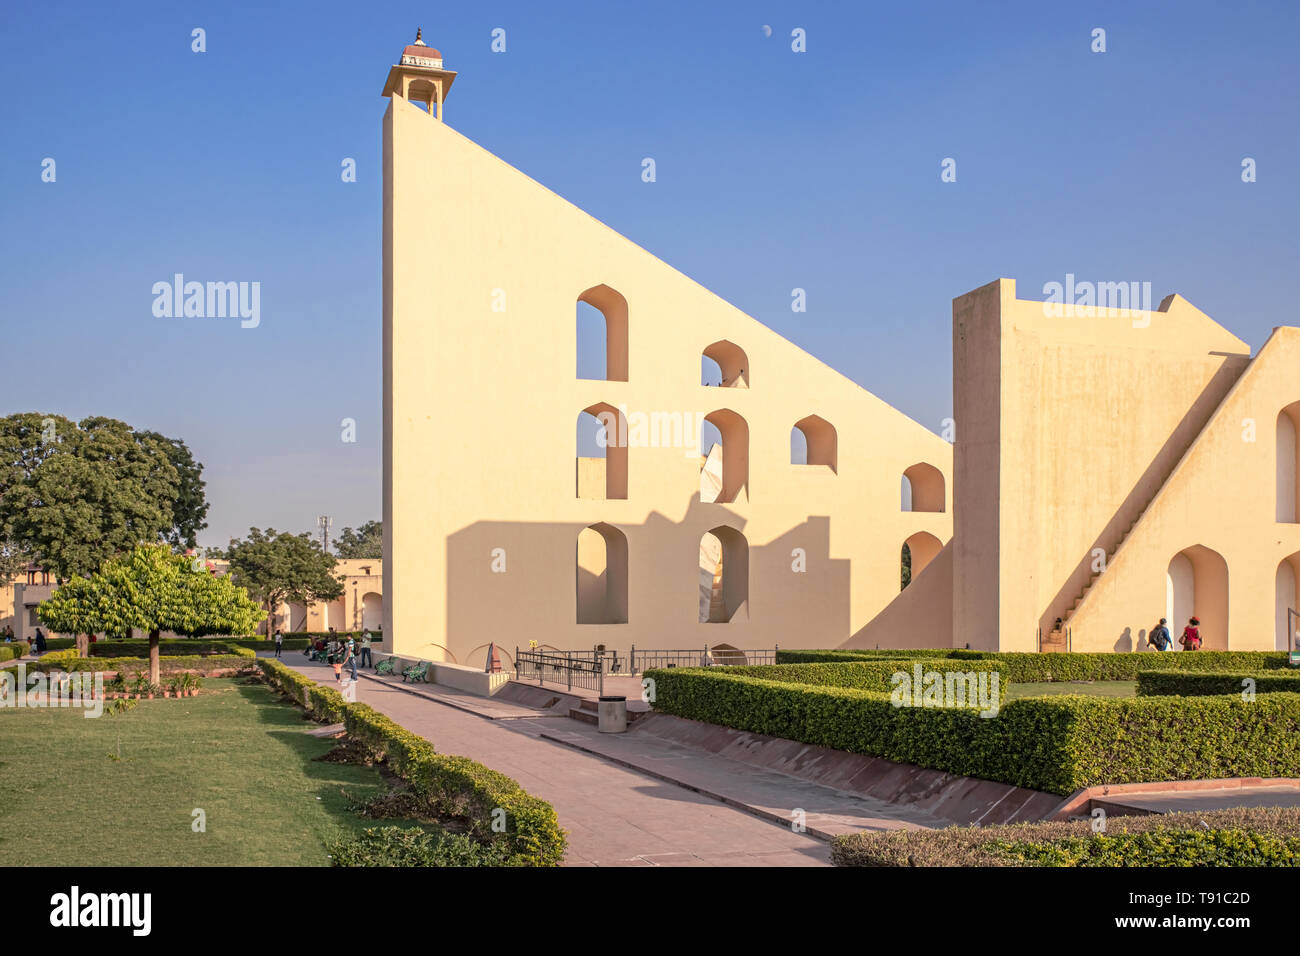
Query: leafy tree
pixel 366 542
pixel 907 566
pixel 190 509
pixel 154 590
pixel 278 567
pixel 74 495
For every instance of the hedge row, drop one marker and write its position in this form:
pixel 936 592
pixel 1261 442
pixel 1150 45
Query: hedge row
pixel 864 675
pixel 67 660
pixel 1182 683
pixel 321 703
pixel 376 637
pixel 1152 840
pixel 1028 667
pixel 9 651
pixel 452 786
pixel 1057 744
pixel 169 648
pixel 830 656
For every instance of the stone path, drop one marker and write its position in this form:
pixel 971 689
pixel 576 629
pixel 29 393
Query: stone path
pixel 615 816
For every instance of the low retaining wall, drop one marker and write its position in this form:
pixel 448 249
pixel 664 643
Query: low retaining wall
pixel 471 680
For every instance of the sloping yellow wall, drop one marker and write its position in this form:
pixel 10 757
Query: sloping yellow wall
pixel 483 268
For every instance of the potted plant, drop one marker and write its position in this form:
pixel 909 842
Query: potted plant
pixel 117 686
pixel 195 682
pixel 141 686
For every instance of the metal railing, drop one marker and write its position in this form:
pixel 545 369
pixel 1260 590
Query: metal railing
pixel 587 669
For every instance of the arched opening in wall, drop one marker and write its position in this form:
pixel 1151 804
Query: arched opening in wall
pixel 423 95
pixel 1288 464
pixel 602 575
pixel 1287 591
pixel 602 335
pixel 726 654
pixel 923 488
pixel 724 365
pixel 372 612
pixel 601 470
pixel 1196 585
pixel 917 552
pixel 724 576
pixel 813 441
pixel 724 457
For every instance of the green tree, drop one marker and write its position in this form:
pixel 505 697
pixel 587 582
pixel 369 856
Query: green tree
pixel 278 567
pixel 907 566
pixel 366 542
pixel 190 509
pixel 154 590
pixel 74 495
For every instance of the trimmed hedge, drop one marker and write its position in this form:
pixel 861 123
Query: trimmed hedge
pixel 321 703
pixel 453 786
pixel 8 651
pixel 1156 848
pixel 169 648
pixel 831 656
pixel 1185 684
pixel 1059 841
pixel 1057 744
pixel 1030 667
pixel 68 660
pixel 376 637
pixel 863 675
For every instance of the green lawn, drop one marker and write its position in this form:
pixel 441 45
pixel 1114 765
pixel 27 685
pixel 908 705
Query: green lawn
pixel 1101 688
pixel 236 751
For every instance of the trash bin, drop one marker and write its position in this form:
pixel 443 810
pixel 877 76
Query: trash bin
pixel 612 715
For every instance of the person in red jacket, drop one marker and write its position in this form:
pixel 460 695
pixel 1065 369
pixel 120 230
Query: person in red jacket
pixel 1191 639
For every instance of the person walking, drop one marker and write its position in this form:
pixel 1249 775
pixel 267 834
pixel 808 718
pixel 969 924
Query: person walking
pixel 40 641
pixel 336 661
pixel 365 649
pixel 1160 638
pixel 1191 639
pixel 350 656
pixel 279 642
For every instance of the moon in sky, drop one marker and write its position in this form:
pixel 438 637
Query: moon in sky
pixel 767 30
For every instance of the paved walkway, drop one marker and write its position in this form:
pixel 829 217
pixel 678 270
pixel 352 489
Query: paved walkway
pixel 616 816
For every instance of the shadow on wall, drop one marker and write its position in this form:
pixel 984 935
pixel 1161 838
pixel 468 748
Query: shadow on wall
pixel 575 585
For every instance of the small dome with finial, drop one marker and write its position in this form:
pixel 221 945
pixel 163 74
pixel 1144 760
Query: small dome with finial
pixel 421 54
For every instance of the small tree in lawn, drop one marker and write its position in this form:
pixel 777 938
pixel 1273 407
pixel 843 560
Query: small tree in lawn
pixel 277 567
pixel 155 591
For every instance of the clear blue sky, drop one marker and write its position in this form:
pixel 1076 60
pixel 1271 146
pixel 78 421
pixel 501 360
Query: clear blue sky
pixel 776 170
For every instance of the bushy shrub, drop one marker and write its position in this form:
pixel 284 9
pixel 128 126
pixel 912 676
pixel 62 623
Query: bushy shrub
pixel 412 846
pixel 460 787
pixel 830 656
pixel 877 675
pixel 9 651
pixel 169 648
pixel 321 703
pixel 1198 847
pixel 1028 667
pixel 980 846
pixel 1057 744
pixel 1189 684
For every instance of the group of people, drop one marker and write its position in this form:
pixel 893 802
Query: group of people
pixel 36 643
pixel 1162 640
pixel 337 651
